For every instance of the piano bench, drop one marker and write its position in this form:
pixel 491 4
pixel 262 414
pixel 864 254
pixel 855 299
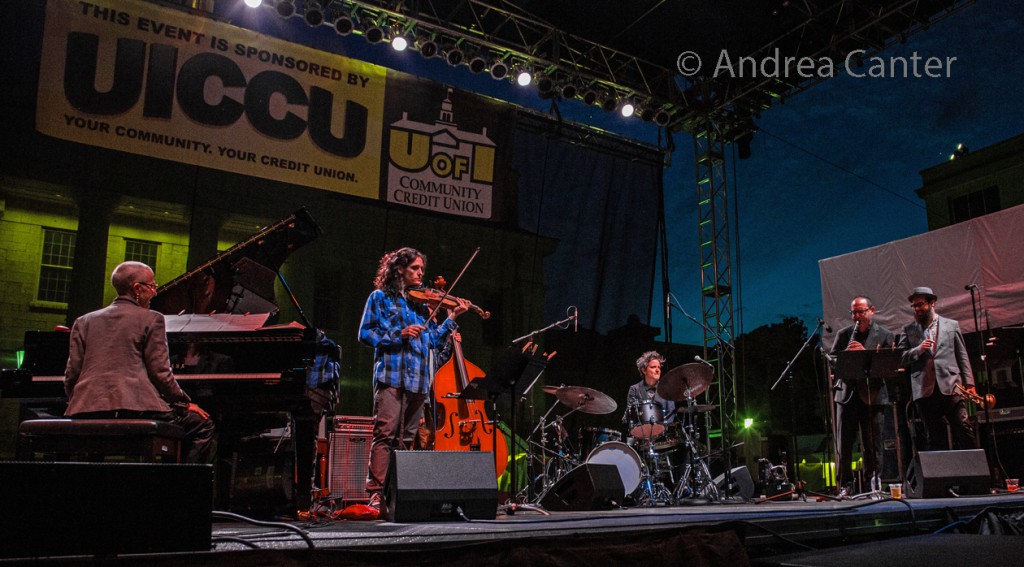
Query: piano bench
pixel 142 440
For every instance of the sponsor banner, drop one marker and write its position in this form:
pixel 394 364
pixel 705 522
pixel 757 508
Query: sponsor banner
pixel 147 80
pixel 443 149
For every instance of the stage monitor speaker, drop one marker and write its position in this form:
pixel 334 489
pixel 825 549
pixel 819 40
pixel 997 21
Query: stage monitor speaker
pixel 435 485
pixel 935 474
pixel 349 456
pixel 54 509
pixel 587 487
pixel 742 484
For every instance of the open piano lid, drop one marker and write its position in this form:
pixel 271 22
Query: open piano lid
pixel 240 279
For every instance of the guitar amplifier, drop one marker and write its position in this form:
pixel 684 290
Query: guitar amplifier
pixel 1005 427
pixel 349 457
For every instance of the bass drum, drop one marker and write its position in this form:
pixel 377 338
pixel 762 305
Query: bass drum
pixel 625 459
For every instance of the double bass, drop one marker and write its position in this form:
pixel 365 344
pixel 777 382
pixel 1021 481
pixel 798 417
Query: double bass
pixel 463 425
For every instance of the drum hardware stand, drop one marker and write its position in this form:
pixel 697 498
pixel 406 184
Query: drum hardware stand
pixel 696 468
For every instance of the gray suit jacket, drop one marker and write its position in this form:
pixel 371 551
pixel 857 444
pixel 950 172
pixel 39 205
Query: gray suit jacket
pixel 878 337
pixel 951 362
pixel 118 360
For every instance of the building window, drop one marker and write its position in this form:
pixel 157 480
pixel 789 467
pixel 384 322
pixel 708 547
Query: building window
pixel 975 204
pixel 140 251
pixel 55 269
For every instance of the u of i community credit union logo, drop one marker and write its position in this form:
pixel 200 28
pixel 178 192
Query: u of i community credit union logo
pixel 439 167
pixel 856 64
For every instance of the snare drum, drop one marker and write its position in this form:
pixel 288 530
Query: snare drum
pixel 593 437
pixel 625 459
pixel 647 420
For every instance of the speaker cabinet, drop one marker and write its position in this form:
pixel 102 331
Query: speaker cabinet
pixel 742 484
pixel 52 509
pixel 586 487
pixel 434 485
pixel 347 463
pixel 933 474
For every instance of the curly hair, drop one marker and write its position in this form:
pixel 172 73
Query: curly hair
pixel 389 277
pixel 646 358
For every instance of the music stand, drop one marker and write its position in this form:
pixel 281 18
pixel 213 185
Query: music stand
pixel 511 377
pixel 877 368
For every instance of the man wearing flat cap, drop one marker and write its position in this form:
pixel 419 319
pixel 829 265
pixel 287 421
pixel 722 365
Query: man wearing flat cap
pixel 936 357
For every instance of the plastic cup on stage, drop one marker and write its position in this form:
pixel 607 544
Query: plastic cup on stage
pixel 1013 484
pixel 896 490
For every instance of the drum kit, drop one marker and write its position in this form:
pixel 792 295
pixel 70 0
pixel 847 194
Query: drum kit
pixel 645 459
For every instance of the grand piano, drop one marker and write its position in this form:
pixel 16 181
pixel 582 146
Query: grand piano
pixel 266 384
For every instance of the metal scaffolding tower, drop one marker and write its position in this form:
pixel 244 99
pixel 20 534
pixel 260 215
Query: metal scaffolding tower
pixel 716 277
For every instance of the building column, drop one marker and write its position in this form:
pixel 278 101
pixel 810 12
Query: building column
pixel 89 276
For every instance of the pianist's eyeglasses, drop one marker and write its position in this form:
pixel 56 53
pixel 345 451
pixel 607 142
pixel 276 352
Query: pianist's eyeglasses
pixel 150 285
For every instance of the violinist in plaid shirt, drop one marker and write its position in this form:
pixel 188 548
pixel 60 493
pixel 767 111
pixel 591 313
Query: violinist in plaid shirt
pixel 403 341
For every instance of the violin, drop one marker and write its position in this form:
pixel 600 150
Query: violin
pixel 432 297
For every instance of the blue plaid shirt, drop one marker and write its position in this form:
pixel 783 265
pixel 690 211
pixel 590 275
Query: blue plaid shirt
pixel 400 363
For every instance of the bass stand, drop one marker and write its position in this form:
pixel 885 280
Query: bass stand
pixel 792 418
pixel 548 457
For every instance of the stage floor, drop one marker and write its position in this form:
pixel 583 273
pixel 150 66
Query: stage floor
pixel 766 529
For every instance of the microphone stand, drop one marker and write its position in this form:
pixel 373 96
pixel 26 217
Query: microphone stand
pixel 726 442
pixel 792 418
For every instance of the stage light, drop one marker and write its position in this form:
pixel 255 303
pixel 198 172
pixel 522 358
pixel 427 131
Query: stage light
pixel 254 3
pixel 477 64
pixel 609 103
pixel 374 34
pixel 747 423
pixel 398 41
pixel 662 118
pixel 428 47
pixel 960 151
pixel 314 15
pixel 454 56
pixel 285 8
pixel 344 25
pixel 627 109
pixel 569 91
pixel 523 75
pixel 646 113
pixel 589 96
pixel 545 85
pixel 499 70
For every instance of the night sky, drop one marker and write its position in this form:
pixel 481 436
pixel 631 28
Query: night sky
pixel 833 169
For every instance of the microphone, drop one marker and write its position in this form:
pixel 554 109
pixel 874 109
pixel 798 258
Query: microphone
pixel 699 359
pixel 828 328
pixel 970 287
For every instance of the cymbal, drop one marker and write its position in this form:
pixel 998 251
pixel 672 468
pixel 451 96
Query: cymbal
pixel 551 389
pixel 692 378
pixel 699 408
pixel 586 400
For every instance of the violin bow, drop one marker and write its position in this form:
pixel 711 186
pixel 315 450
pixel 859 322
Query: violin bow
pixel 448 291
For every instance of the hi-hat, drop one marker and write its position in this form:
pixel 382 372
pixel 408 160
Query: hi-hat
pixel 688 380
pixel 586 400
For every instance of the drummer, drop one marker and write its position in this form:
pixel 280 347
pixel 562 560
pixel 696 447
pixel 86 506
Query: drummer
pixel 649 365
